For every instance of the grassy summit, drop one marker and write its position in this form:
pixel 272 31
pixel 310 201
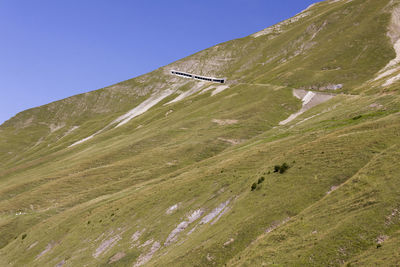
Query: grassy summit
pixel 173 185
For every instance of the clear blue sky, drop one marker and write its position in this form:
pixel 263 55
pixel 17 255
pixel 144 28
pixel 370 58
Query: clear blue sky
pixel 52 49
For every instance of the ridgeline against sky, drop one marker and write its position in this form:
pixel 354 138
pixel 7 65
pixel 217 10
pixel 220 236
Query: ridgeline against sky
pixel 278 148
pixel 54 49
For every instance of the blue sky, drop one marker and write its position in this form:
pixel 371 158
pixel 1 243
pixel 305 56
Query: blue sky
pixel 51 49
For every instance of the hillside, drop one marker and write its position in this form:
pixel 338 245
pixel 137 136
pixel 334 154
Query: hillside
pixel 164 170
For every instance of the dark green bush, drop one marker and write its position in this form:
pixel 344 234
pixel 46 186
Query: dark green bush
pixel 281 168
pixel 253 187
pixel 357 117
pixel 277 168
pixel 260 180
pixel 284 168
pixel 23 236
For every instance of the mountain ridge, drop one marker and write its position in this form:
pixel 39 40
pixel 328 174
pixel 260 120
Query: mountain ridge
pixel 164 170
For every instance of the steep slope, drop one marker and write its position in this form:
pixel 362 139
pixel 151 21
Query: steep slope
pixel 332 45
pixel 158 170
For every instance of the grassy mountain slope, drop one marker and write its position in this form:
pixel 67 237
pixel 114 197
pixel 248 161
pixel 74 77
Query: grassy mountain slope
pixel 173 185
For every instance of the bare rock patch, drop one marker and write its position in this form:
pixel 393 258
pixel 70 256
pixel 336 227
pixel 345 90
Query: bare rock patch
pixel 60 264
pixel 47 249
pixel 116 257
pixel 135 237
pixel 172 209
pixel 381 239
pixel 172 237
pixel 230 241
pixel 215 212
pixel 144 258
pixel 310 99
pixel 32 245
pixel 106 245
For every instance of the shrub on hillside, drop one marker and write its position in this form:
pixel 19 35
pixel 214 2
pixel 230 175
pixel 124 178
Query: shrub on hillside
pixel 281 168
pixel 277 168
pixel 260 180
pixel 284 168
pixel 253 187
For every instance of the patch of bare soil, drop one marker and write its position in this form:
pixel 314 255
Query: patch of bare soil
pixel 60 264
pixel 116 257
pixel 381 239
pixel 171 209
pixel 47 249
pixel 224 122
pixel 106 245
pixel 230 241
pixel 147 243
pixel 225 210
pixel 276 225
pixel 215 212
pixel 394 34
pixel 168 112
pixel 393 217
pixel 172 237
pixel 333 188
pixel 144 258
pixel 135 237
pixel 196 88
pixel 309 99
pixel 219 89
pixel 230 141
pixel 56 127
pixel 32 245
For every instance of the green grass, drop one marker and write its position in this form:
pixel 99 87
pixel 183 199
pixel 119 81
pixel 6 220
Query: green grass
pixel 124 179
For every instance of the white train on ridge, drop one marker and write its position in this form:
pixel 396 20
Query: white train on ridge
pixel 197 77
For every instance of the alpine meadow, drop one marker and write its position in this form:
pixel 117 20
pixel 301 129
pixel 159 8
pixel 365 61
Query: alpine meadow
pixel 278 149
